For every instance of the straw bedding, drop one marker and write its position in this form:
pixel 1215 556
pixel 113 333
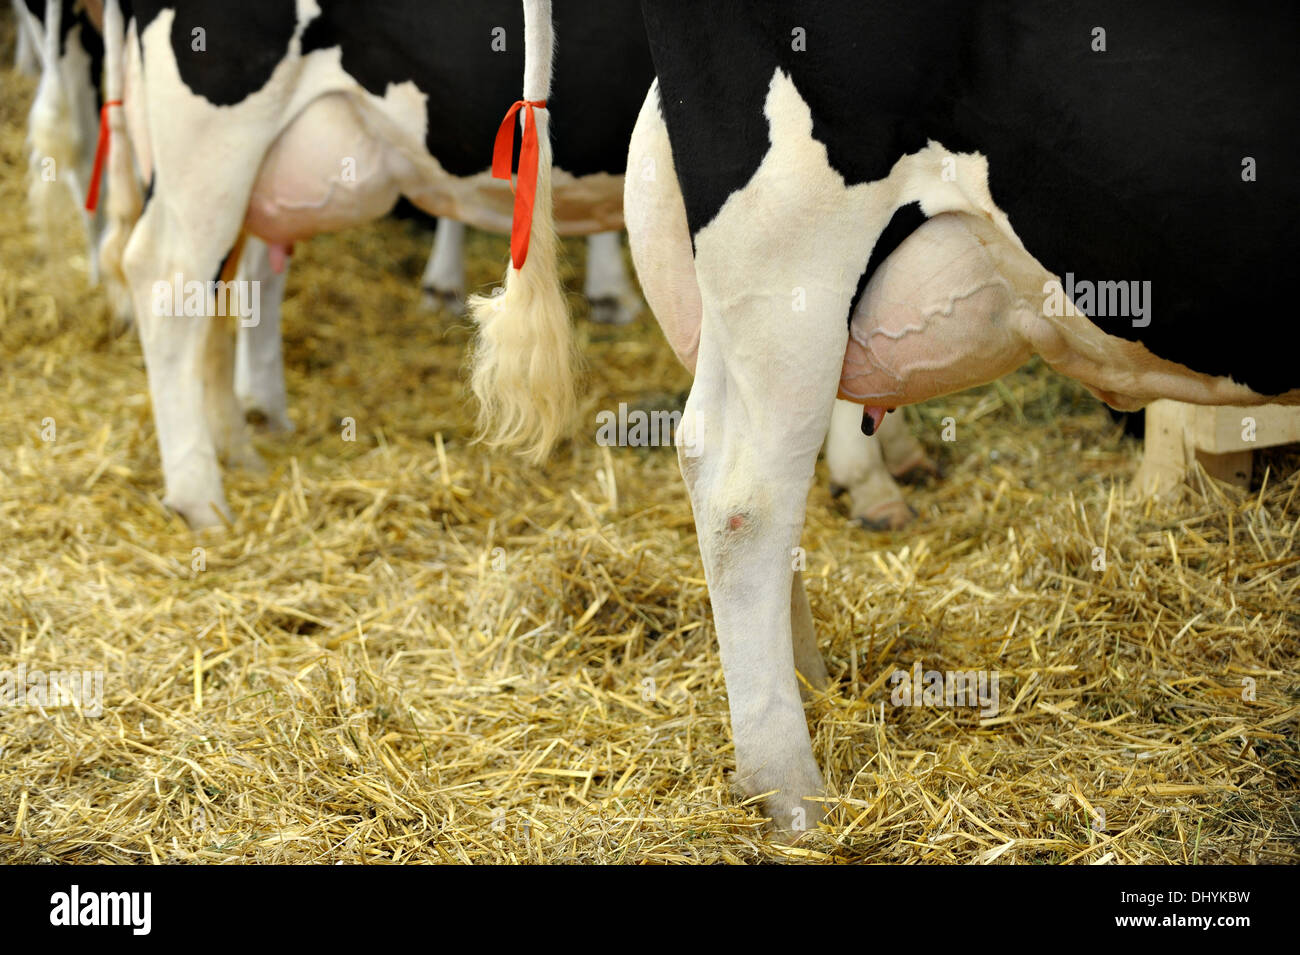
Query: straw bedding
pixel 408 649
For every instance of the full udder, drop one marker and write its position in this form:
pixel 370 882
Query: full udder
pixel 938 316
pixel 324 172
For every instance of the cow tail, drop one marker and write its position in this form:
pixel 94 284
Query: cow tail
pixel 525 360
pixel 124 201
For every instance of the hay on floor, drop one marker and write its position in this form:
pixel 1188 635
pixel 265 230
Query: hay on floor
pixel 411 650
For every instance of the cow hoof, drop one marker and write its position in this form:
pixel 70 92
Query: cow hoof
pixel 837 490
pixel 200 516
pixel 790 820
pixel 790 788
pixel 918 469
pixel 443 300
pixel 608 310
pixel 890 516
pixel 264 423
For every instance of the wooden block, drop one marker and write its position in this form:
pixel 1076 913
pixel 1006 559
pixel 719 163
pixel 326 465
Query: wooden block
pixel 1234 467
pixel 1222 438
pixel 1164 455
pixel 1220 429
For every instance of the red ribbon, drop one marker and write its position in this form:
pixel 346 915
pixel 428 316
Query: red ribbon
pixel 526 193
pixel 101 153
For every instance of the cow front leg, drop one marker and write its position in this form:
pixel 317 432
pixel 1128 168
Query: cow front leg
pixel 443 283
pixel 608 289
pixel 259 352
pixel 858 466
pixel 905 456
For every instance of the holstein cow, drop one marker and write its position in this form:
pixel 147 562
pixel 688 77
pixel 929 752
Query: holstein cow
pixel 286 119
pixel 63 137
pixel 63 123
pixel 1110 185
pixel 318 119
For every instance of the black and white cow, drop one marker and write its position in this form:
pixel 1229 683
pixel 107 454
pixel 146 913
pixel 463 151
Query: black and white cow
pixel 285 119
pixel 1028 152
pixel 62 44
pixel 316 119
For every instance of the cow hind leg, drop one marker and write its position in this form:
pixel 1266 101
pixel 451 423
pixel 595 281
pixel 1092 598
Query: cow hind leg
pixel 659 235
pixel 225 417
pixel 808 662
pixel 220 404
pixel 175 346
pixel 26 61
pixel 748 471
pixel 750 434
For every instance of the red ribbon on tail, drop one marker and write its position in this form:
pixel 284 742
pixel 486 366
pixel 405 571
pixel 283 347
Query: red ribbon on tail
pixel 101 153
pixel 526 192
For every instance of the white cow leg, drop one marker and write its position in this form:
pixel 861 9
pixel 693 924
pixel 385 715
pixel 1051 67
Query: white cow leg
pixel 905 456
pixel 444 275
pixel 858 466
pixel 174 347
pixel 609 291
pixel 660 237
pixel 748 446
pixel 96 224
pixel 756 417
pixel 26 62
pixel 748 480
pixel 259 354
